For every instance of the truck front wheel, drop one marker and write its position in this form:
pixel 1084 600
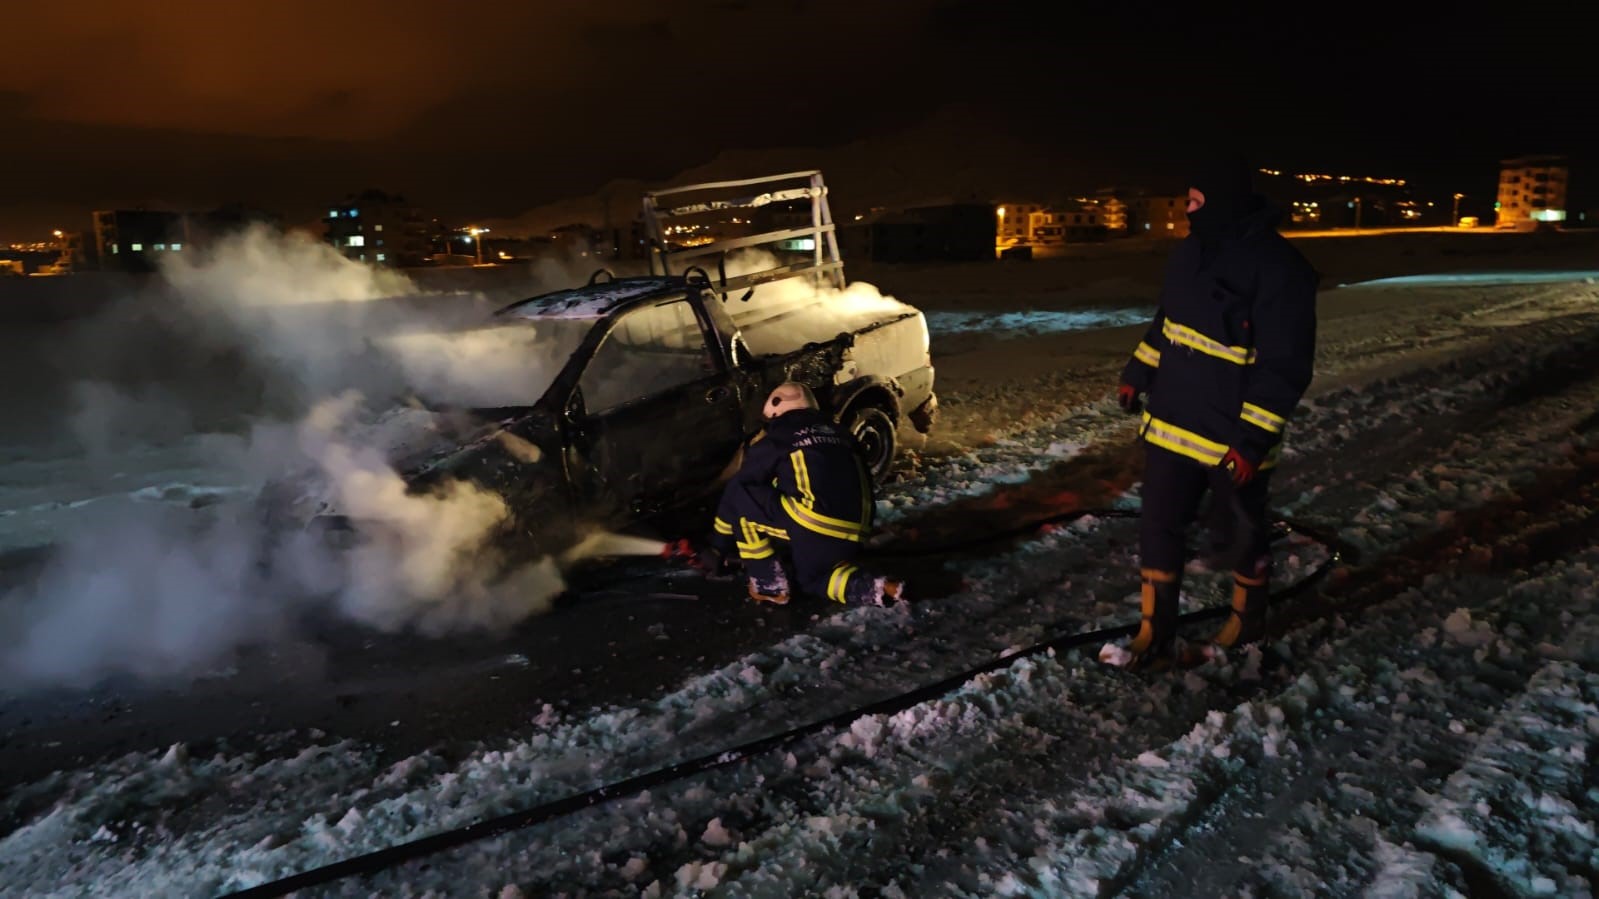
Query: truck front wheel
pixel 875 431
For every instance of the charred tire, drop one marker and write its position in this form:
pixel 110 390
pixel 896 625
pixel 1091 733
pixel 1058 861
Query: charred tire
pixel 875 431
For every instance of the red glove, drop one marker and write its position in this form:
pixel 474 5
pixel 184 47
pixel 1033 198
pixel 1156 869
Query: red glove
pixel 706 559
pixel 1241 470
pixel 1127 398
pixel 681 550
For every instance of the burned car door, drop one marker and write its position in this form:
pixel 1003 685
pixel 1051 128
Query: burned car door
pixel 662 413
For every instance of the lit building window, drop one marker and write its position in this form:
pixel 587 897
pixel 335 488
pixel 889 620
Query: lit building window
pixel 355 240
pixel 377 227
pixel 354 213
pixel 115 249
pixel 382 257
pixel 137 248
pixel 160 248
pixel 176 247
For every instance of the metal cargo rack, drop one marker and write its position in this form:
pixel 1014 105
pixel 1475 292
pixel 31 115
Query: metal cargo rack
pixel 722 203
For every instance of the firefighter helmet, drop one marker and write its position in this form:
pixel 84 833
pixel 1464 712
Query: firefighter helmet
pixel 787 397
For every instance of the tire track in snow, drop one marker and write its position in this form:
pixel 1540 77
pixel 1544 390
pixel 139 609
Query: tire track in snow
pixel 844 813
pixel 432 794
pixel 1348 764
pixel 1491 512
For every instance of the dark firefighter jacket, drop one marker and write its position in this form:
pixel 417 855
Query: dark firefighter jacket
pixel 1232 347
pixel 817 470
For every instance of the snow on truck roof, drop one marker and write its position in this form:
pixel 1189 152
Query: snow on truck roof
pixel 594 301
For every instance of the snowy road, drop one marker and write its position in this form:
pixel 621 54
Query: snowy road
pixel 1423 726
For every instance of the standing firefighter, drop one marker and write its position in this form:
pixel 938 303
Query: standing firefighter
pixel 1226 360
pixel 803 486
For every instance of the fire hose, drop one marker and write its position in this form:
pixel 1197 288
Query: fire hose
pixel 1338 551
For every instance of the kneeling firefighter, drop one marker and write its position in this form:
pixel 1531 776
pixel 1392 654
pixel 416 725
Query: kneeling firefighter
pixel 1229 354
pixel 803 488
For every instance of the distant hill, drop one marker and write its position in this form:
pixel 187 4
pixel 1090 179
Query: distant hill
pixel 960 153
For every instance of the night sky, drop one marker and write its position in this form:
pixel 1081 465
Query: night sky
pixel 488 109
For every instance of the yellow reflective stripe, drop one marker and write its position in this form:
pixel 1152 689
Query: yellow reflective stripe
pixel 839 523
pixel 762 550
pixel 838 582
pixel 722 527
pixel 754 545
pixel 1186 443
pixel 802 476
pixel 769 530
pixel 1182 441
pixel 1147 355
pixel 1183 335
pixel 803 511
pixel 1263 418
pixel 822 524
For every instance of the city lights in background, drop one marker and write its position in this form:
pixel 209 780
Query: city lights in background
pixel 1341 179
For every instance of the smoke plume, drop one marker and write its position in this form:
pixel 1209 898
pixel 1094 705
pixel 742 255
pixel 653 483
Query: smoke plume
pixel 273 359
pixel 781 315
pixel 316 355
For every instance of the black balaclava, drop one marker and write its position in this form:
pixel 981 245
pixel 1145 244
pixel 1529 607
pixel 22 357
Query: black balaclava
pixel 1226 181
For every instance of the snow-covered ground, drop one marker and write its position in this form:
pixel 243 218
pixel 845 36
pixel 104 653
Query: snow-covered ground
pixel 1032 322
pixel 1421 726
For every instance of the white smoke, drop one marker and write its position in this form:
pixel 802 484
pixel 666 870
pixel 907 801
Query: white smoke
pixel 154 590
pixel 780 316
pixel 106 417
pixel 423 559
pixel 505 365
pixel 301 308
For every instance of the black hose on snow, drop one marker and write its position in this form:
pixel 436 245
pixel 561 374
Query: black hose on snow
pixel 392 856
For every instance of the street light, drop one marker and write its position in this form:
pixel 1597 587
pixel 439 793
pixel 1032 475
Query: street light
pixel 1456 219
pixel 475 232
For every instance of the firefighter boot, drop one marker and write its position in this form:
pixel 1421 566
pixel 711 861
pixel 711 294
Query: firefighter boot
pixel 1247 623
pixel 1154 647
pixel 861 588
pixel 768 580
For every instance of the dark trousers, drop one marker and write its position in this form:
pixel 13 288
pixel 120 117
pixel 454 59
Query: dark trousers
pixel 1174 488
pixel 750 518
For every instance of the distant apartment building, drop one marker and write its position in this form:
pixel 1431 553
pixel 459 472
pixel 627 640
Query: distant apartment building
pixel 1532 191
pixel 1069 221
pixel 135 240
pixel 1157 216
pixel 1014 222
pixel 379 228
pixel 1073 222
pixel 1112 211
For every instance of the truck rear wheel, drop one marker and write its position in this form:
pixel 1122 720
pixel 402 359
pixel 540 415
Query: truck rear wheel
pixel 875 431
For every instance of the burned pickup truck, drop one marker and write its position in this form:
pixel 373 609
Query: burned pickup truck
pixel 640 391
